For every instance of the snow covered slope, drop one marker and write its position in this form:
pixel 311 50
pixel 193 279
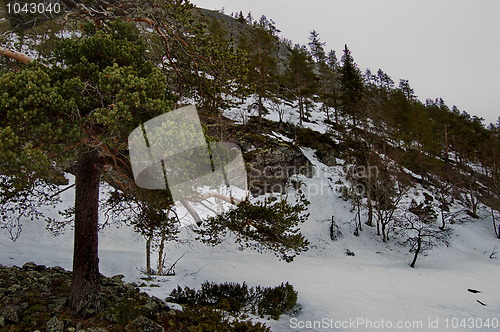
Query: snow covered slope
pixel 373 290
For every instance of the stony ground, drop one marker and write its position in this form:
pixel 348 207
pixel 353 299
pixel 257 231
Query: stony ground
pixel 34 297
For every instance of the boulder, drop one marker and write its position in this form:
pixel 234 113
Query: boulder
pixel 143 324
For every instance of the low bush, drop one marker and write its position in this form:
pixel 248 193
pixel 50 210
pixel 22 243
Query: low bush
pixel 238 298
pixel 276 301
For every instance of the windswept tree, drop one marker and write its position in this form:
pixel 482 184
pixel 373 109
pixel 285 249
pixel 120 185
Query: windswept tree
pixel 81 109
pixel 75 112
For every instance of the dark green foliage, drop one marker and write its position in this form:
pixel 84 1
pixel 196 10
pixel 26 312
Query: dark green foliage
pixel 209 319
pixel 299 79
pixel 269 225
pixel 261 48
pixel 238 298
pixel 230 297
pixel 276 301
pixel 317 47
pixel 352 87
pixel 329 91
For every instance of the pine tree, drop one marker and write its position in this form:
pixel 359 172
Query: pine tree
pixel 329 85
pixel 384 80
pixel 80 109
pixel 240 18
pixel 352 87
pixel 99 88
pixel 317 47
pixel 262 51
pixel 404 86
pixel 299 78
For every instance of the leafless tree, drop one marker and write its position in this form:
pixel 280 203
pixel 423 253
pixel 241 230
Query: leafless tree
pixel 420 235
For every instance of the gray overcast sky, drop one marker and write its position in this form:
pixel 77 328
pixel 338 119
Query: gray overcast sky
pixel 445 48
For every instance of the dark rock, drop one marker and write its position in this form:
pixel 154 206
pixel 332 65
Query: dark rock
pixel 29 266
pixel 55 325
pixel 11 313
pixel 40 268
pixel 143 324
pixel 2 321
pixel 111 318
pixel 58 269
pixel 14 288
pixel 118 277
pixel 349 253
pixel 60 304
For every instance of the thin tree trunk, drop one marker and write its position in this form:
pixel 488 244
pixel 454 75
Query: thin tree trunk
pixel 85 284
pixel 384 237
pixel 161 258
pixel 163 238
pixel 416 254
pixel 301 111
pixel 148 255
pixel 369 222
pixel 359 217
pixel 261 108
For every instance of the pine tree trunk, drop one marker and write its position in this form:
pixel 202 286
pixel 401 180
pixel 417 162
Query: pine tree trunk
pixel 261 108
pixel 301 111
pixel 84 295
pixel 148 255
pixel 161 258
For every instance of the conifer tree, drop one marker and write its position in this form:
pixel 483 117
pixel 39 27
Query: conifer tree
pixel 299 78
pixel 329 85
pixel 404 86
pixel 352 87
pixel 262 52
pixel 317 47
pixel 99 88
pixel 80 109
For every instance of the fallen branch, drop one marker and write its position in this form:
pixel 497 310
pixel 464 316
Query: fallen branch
pixel 14 55
pixel 171 271
pixel 192 212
